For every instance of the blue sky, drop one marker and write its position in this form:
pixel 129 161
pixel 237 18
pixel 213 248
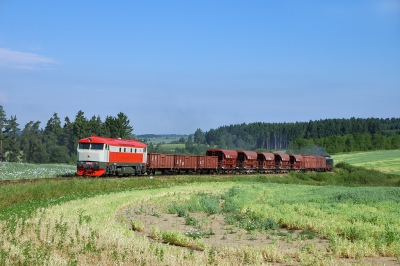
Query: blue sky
pixel 175 66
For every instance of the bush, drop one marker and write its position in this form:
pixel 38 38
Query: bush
pixel 177 238
pixel 137 226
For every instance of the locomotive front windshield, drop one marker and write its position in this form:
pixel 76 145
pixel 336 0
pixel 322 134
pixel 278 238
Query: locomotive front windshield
pixel 97 146
pixel 84 146
pixel 88 146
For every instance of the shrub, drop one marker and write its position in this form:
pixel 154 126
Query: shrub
pixel 155 233
pixel 137 226
pixel 269 224
pixel 177 238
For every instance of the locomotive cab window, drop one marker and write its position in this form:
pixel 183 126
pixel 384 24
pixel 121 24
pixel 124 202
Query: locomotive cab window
pixel 84 146
pixel 97 146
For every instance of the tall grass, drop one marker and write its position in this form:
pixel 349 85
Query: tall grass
pixel 84 231
pixel 23 198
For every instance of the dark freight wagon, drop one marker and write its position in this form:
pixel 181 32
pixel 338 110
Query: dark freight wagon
pixel 207 164
pixel 247 161
pixel 158 162
pixel 309 162
pixel 296 162
pixel 321 163
pixel 186 163
pixel 226 159
pixel 266 162
pixel 282 162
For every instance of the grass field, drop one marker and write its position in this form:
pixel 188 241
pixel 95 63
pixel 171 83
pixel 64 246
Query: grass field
pixel 387 161
pixel 347 217
pixel 168 148
pixel 357 223
pixel 13 171
pixel 156 139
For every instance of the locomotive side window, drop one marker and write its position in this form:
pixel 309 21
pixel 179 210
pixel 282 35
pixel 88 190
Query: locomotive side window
pixel 84 146
pixel 97 146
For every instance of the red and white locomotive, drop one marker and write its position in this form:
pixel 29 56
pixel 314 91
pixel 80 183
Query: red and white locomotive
pixel 98 156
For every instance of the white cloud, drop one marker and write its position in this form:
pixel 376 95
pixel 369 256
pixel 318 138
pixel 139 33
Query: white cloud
pixel 16 59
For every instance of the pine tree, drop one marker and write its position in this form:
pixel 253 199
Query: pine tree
pixel 31 143
pixel 12 139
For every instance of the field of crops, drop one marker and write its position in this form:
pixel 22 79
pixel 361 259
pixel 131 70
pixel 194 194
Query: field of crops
pixel 14 171
pixel 359 225
pixel 348 217
pixel 387 161
pixel 169 148
pixel 165 139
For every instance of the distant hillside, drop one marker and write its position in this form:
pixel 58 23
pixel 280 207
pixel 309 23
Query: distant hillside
pixel 385 161
pixel 161 138
pixel 273 136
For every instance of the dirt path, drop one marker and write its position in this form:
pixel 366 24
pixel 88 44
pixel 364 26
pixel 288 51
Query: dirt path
pixel 215 233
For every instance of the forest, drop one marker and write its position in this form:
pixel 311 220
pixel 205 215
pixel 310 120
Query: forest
pixel 57 141
pixel 315 137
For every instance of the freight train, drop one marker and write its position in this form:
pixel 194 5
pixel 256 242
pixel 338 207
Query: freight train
pixel 101 156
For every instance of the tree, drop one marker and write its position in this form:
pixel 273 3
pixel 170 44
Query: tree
pixel 95 126
pixel 80 127
pixel 118 126
pixel 54 139
pixel 67 138
pixel 53 131
pixel 125 130
pixel 349 143
pixel 3 121
pixel 31 143
pixel 199 137
pixel 12 139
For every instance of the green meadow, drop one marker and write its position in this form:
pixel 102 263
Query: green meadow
pixel 346 217
pixel 387 161
pixel 337 225
pixel 169 148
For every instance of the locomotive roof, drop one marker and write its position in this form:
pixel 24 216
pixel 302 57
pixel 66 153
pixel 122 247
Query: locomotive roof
pixel 114 142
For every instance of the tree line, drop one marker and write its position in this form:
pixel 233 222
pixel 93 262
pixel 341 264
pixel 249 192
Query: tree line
pixel 57 142
pixel 346 143
pixel 320 137
pixel 333 135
